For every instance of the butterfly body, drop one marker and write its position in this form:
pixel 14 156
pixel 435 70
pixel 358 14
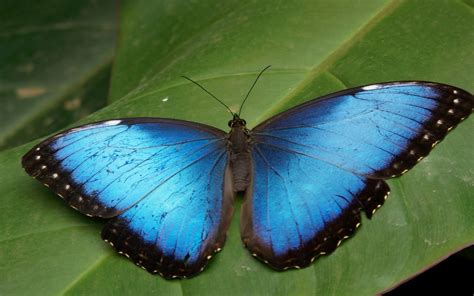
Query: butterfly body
pixel 239 139
pixel 167 186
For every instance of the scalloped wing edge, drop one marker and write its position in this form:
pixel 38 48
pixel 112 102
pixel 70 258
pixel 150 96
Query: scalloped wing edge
pixel 324 242
pixel 150 258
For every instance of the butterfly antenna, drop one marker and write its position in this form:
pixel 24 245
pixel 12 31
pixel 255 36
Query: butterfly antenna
pixel 209 93
pixel 250 90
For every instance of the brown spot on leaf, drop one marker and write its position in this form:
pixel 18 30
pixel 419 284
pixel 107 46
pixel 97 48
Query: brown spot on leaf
pixel 73 104
pixel 29 92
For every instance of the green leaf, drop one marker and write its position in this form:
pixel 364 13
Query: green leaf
pixel 55 59
pixel 315 47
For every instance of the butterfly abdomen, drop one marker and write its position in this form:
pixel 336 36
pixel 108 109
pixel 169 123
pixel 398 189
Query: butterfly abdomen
pixel 240 159
pixel 240 170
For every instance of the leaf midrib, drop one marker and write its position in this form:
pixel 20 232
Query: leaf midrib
pixel 215 77
pixel 331 58
pixel 84 274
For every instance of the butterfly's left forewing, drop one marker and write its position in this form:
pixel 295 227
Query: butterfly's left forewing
pixel 317 165
pixel 162 182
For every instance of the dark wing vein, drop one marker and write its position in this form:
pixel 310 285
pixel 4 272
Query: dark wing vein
pixel 174 174
pixel 287 193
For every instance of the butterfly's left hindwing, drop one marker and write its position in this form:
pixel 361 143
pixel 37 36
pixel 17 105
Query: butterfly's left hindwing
pixel 317 165
pixel 163 180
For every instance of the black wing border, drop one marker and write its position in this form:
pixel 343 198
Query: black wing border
pixel 455 105
pixel 37 163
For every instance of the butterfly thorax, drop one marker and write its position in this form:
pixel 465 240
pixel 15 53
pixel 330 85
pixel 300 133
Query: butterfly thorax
pixel 239 149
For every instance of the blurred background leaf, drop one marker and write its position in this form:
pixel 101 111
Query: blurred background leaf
pixel 315 47
pixel 55 62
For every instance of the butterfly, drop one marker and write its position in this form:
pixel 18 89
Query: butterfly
pixel 167 186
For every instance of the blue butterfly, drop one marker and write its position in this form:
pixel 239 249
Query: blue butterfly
pixel 167 186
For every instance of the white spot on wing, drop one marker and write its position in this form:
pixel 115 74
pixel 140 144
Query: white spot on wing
pixel 113 122
pixel 165 99
pixel 373 86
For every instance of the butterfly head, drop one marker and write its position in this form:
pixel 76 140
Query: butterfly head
pixel 236 122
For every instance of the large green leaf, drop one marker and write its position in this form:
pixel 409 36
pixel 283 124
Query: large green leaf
pixel 55 59
pixel 314 47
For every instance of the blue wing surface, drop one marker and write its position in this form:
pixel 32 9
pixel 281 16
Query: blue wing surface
pixel 162 180
pixel 175 229
pixel 378 131
pixel 316 166
pixel 104 168
pixel 298 207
